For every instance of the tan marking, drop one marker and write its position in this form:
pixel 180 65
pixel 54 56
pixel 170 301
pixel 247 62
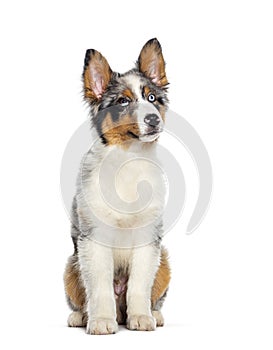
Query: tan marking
pixel 73 284
pixel 97 67
pixel 146 91
pixel 162 278
pixel 152 64
pixel 117 133
pixel 128 93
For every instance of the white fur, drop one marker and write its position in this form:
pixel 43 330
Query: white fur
pixel 144 264
pixel 158 317
pixel 76 319
pixel 98 264
pixel 115 202
pixel 143 109
pixel 134 82
pixel 97 268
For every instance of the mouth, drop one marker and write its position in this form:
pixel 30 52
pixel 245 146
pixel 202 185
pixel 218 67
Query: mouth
pixel 134 136
pixel 153 132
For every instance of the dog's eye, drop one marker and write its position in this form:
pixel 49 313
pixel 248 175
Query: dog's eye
pixel 123 101
pixel 151 98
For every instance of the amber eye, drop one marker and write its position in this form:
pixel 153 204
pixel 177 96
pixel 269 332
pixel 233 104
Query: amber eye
pixel 123 101
pixel 151 98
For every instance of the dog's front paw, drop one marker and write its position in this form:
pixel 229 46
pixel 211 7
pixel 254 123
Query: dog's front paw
pixel 141 323
pixel 102 326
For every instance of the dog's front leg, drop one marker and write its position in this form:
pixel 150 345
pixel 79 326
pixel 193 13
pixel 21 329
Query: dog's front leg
pixel 97 270
pixel 144 265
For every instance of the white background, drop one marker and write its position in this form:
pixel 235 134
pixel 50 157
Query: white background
pixel 219 62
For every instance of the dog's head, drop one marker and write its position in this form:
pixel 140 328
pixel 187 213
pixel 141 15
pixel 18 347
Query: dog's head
pixel 127 107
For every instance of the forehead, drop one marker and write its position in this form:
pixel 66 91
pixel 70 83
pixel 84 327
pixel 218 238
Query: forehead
pixel 134 83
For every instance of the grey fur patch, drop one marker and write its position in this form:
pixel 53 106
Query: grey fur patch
pixel 160 301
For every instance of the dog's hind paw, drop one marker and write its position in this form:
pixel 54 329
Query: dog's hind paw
pixel 159 318
pixel 77 319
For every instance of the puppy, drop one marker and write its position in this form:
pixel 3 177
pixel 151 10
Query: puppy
pixel 119 272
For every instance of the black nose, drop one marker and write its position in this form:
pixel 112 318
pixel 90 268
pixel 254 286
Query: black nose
pixel 152 119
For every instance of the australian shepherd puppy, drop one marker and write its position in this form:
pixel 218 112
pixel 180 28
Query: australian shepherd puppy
pixel 119 272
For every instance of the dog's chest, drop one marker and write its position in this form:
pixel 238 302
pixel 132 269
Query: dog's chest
pixel 126 188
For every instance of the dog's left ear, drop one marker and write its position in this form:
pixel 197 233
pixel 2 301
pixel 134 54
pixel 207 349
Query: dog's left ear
pixel 151 62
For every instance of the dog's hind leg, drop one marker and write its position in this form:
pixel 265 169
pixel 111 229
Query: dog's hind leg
pixel 160 287
pixel 75 293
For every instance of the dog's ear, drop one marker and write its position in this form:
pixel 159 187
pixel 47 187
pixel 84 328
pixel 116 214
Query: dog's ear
pixel 96 74
pixel 151 62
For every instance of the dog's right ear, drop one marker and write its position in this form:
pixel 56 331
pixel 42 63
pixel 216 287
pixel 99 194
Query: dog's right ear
pixel 96 75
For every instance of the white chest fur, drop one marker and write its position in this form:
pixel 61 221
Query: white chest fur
pixel 126 188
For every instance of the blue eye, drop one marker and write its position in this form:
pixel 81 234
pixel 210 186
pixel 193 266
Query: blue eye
pixel 123 101
pixel 151 98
